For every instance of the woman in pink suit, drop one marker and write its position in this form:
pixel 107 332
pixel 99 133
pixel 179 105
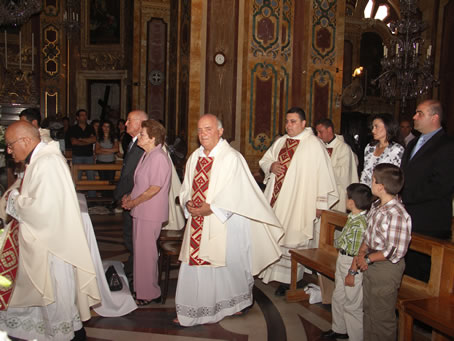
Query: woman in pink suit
pixel 149 205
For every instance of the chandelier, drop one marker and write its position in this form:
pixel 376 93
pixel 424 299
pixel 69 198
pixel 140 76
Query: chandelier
pixel 406 66
pixel 17 12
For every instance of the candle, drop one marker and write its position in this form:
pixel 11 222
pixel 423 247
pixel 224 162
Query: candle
pixel 65 15
pixel 33 51
pixel 20 50
pixel 385 51
pixel 417 48
pixel 397 49
pixel 6 52
pixel 429 52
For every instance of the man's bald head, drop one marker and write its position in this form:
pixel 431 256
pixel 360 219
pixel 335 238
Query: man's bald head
pixel 21 138
pixel 134 122
pixel 210 131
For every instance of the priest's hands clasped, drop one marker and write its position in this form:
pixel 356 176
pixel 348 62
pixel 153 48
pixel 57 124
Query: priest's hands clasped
pixel 198 210
pixel 277 168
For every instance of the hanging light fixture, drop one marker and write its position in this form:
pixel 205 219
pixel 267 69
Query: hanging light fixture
pixel 406 64
pixel 17 12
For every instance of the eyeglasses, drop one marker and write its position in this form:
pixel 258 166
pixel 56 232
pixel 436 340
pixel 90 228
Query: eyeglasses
pixel 11 144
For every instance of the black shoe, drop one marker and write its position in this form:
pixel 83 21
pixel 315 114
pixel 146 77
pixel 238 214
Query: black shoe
pixel 157 299
pixel 282 288
pixel 333 335
pixel 80 335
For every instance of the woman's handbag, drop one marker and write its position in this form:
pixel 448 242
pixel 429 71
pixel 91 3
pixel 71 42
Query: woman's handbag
pixel 113 279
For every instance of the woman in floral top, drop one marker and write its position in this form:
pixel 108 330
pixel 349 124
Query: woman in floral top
pixel 384 148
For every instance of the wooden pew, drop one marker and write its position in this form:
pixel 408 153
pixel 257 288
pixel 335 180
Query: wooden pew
pixel 323 260
pixel 95 185
pixel 437 312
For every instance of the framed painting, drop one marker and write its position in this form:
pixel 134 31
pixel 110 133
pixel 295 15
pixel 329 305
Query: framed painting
pixel 103 24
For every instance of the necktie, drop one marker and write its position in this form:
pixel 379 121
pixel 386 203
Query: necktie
pixel 418 146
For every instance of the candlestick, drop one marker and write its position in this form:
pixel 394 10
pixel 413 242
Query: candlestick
pixel 6 51
pixel 385 51
pixel 20 50
pixel 33 51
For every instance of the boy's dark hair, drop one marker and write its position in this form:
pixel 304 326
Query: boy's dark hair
pixel 361 195
pixel 390 176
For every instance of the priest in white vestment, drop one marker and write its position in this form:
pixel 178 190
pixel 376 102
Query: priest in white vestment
pixel 300 183
pixel 343 160
pixel 56 282
pixel 231 234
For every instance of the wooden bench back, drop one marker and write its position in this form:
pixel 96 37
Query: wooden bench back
pixel 330 222
pixel 435 248
pixel 101 185
pixel 447 272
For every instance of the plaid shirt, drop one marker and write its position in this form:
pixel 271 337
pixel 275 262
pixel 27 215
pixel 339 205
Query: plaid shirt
pixel 352 234
pixel 389 229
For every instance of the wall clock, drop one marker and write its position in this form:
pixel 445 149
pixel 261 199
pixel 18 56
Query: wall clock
pixel 219 58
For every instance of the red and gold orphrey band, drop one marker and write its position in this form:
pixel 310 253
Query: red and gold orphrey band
pixel 199 189
pixel 330 151
pixel 9 262
pixel 285 157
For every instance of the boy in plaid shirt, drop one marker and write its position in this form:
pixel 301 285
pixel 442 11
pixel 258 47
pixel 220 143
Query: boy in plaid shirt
pixel 381 255
pixel 347 301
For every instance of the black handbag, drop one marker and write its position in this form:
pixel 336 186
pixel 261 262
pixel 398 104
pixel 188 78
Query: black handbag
pixel 113 279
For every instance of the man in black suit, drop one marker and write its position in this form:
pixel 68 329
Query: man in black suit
pixel 428 165
pixel 126 182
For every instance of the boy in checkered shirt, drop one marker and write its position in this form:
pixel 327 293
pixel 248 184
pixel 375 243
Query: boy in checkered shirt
pixel 381 255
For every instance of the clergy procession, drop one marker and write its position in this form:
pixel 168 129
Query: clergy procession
pixel 233 232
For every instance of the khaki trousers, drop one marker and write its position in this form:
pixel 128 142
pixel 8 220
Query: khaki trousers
pixel 381 283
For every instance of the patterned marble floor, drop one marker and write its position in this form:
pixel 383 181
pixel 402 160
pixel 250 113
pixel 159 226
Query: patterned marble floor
pixel 271 318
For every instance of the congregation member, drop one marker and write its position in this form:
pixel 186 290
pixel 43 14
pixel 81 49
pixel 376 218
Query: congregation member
pixel 381 255
pixel 384 147
pixel 33 116
pixel 82 139
pixel 347 302
pixel 343 160
pixel 231 234
pixel 428 166
pixel 106 147
pixel 405 128
pixel 126 183
pixel 149 206
pixel 300 183
pixel 56 282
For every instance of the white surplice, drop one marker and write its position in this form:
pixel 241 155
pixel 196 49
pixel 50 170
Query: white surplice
pixel 239 239
pixel 345 165
pixel 309 184
pixel 56 281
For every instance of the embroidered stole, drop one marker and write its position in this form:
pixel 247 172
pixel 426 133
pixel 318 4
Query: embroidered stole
pixel 9 259
pixel 330 151
pixel 285 157
pixel 199 189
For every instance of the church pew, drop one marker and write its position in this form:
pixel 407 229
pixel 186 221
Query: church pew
pixel 95 185
pixel 323 260
pixel 437 312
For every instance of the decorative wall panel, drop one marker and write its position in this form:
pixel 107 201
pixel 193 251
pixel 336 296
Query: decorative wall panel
pixel 323 58
pixel 156 68
pixel 270 65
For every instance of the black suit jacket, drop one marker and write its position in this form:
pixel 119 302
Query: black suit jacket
pixel 126 182
pixel 429 185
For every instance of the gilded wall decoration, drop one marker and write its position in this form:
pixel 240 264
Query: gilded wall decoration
pixel 51 51
pixel 321 89
pixel 323 58
pixel 264 113
pixel 265 28
pixel 324 31
pixel 51 8
pixel 19 87
pixel 103 61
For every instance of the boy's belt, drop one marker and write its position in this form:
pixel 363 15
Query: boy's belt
pixel 343 252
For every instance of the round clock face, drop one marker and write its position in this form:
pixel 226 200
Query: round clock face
pixel 219 58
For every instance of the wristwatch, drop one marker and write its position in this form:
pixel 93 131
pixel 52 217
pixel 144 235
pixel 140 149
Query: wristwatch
pixel 352 272
pixel 367 259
